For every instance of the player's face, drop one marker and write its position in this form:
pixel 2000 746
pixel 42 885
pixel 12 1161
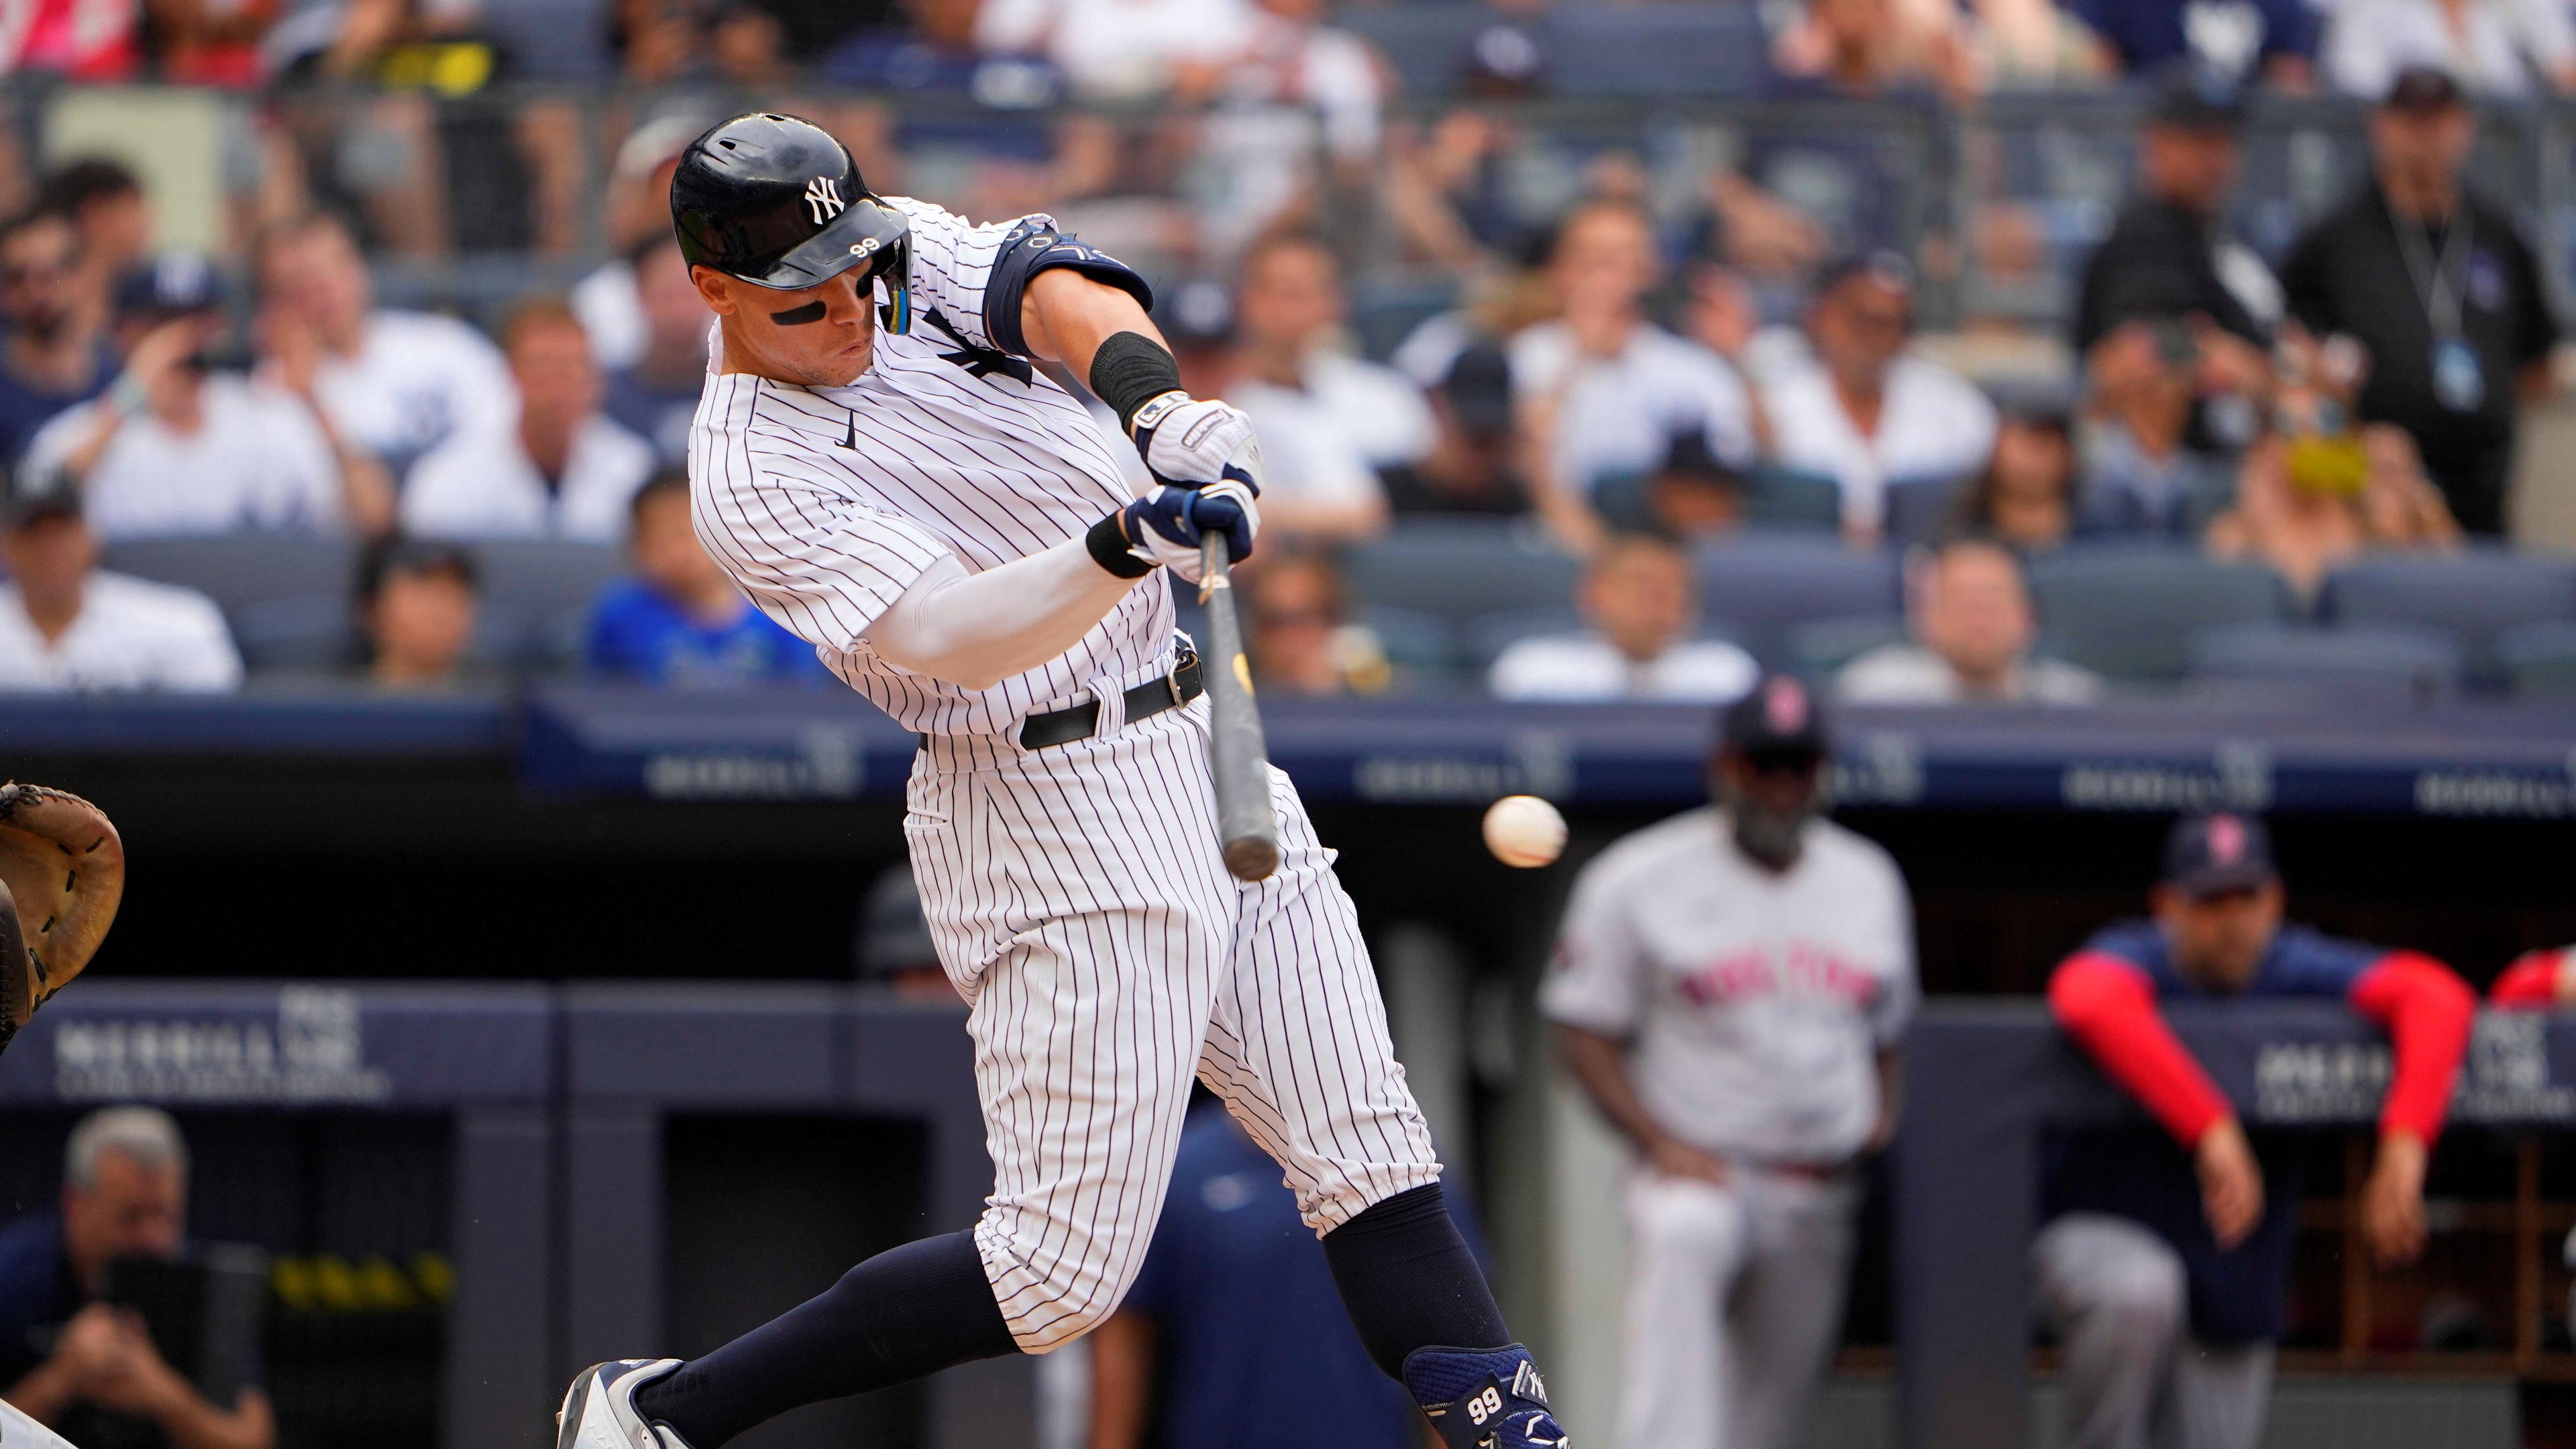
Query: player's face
pixel 821 336
pixel 2219 939
pixel 50 556
pixel 552 365
pixel 1769 796
pixel 132 1211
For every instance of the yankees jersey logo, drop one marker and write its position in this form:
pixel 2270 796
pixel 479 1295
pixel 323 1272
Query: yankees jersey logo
pixel 823 198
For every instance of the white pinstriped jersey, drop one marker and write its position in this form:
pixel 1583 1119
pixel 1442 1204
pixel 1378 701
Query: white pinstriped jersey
pixel 825 504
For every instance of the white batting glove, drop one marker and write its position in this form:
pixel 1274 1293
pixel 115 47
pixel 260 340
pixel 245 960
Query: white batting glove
pixel 1167 525
pixel 1188 443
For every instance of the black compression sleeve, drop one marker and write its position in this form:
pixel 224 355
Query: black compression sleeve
pixel 1409 1281
pixel 1131 370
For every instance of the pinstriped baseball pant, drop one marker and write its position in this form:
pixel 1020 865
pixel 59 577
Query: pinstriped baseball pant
pixel 1080 906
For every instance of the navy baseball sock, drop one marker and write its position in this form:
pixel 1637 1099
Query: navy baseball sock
pixel 1409 1282
pixel 901 1315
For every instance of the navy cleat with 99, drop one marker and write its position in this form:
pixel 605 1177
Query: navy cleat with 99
pixel 599 1409
pixel 1488 1398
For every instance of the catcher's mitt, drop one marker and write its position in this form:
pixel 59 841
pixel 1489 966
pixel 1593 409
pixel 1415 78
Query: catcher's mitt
pixel 62 871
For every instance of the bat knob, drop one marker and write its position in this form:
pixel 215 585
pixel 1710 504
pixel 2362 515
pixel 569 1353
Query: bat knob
pixel 1252 858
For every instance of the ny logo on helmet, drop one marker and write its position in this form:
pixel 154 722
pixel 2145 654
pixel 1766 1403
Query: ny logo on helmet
pixel 823 198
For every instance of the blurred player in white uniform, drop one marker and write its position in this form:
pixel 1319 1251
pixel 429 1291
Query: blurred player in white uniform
pixel 1729 989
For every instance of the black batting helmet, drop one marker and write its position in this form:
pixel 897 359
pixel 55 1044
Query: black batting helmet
pixel 778 203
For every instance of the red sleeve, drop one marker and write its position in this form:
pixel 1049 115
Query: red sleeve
pixel 2426 1011
pixel 2531 981
pixel 2109 1006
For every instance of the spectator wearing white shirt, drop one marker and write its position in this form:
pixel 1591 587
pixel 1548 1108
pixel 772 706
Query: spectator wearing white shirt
pixel 179 447
pixel 1862 409
pixel 1328 421
pixel 395 383
pixel 1122 49
pixel 1639 599
pixel 560 469
pixel 67 627
pixel 2495 49
pixel 1973 631
pixel 1604 390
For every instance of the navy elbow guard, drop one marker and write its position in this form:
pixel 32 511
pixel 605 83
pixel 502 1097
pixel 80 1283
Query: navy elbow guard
pixel 1035 246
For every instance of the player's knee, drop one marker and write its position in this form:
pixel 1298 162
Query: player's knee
pixel 2138 1300
pixel 1693 1221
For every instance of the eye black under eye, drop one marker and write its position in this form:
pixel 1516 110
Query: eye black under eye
pixel 799 316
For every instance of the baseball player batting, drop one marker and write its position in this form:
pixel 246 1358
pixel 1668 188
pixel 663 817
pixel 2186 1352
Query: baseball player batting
pixel 879 465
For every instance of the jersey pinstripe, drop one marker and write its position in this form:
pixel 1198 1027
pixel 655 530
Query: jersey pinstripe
pixel 825 504
pixel 1076 894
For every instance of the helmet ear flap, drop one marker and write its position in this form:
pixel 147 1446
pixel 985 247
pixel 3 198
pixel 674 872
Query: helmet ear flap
pixel 895 313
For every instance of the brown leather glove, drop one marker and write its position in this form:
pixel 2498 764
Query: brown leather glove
pixel 62 872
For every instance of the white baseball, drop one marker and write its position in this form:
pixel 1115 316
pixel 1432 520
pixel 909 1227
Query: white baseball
pixel 1525 831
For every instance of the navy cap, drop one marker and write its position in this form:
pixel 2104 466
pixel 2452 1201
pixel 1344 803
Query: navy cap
pixel 35 498
pixel 174 284
pixel 1889 269
pixel 2209 855
pixel 2196 98
pixel 1478 387
pixel 1777 716
pixel 2423 88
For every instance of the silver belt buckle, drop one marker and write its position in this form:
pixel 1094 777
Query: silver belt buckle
pixel 1172 681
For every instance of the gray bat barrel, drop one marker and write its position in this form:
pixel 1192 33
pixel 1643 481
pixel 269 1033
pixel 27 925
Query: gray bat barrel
pixel 1237 755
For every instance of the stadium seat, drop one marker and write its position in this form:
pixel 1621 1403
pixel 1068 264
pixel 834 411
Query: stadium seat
pixel 1760 586
pixel 1918 509
pixel 238 570
pixel 2131 611
pixel 2475 595
pixel 1461 569
pixel 1419 644
pixel 2540 659
pixel 536 597
pixel 316 634
pixel 1484 640
pixel 1779 498
pixel 1426 43
pixel 2274 664
pixel 1657 50
pixel 1816 650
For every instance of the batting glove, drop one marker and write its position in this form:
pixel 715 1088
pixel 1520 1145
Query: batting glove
pixel 1167 525
pixel 1187 443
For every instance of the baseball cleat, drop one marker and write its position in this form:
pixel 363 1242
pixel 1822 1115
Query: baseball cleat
pixel 599 1409
pixel 1488 1398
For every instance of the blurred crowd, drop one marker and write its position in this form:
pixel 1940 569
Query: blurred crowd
pixel 1627 376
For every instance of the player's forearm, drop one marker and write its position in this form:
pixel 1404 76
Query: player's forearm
pixel 1122 1380
pixel 976 630
pixel 1066 315
pixel 1600 1067
pixel 44 1393
pixel 2427 1012
pixel 193 1423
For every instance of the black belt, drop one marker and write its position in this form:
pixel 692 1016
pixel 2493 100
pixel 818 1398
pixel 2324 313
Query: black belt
pixel 1082 721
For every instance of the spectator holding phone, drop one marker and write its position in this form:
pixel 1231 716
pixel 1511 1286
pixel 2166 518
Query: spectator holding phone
pixel 83 1367
pixel 183 445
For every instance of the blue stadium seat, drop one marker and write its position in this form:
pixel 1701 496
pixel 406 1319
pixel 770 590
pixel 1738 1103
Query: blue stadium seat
pixel 1426 43
pixel 1781 498
pixel 1416 643
pixel 1815 651
pixel 317 634
pixel 537 594
pixel 2540 659
pixel 1760 586
pixel 2475 595
pixel 1656 50
pixel 1485 639
pixel 238 570
pixel 2288 666
pixel 1918 509
pixel 1461 569
pixel 2130 611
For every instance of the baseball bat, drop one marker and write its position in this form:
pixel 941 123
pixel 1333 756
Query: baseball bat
pixel 1237 755
pixel 17 1431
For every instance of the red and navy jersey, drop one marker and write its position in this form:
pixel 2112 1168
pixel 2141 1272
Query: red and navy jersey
pixel 2301 961
pixel 2107 997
